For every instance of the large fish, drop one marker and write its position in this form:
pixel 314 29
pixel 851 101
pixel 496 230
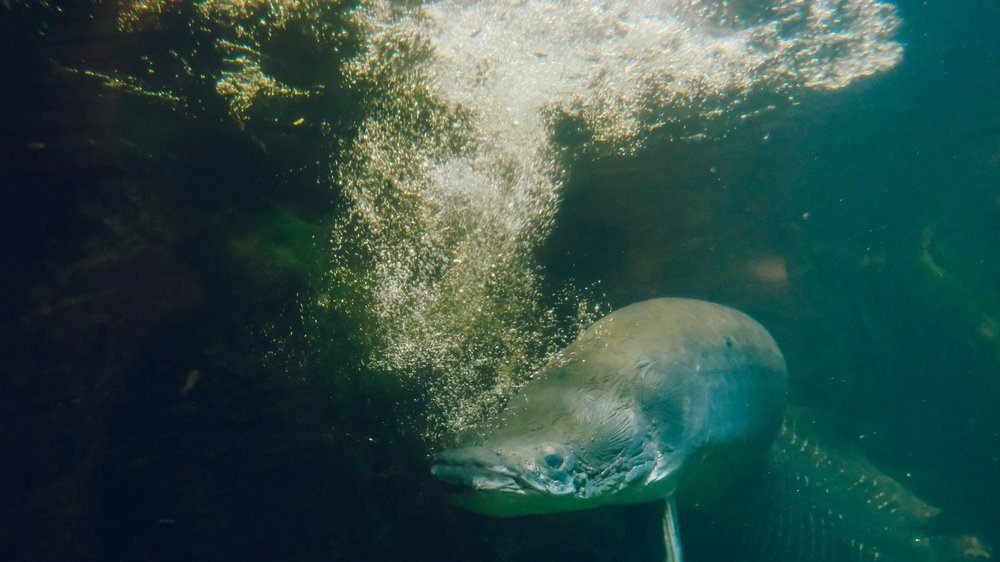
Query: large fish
pixel 817 498
pixel 667 399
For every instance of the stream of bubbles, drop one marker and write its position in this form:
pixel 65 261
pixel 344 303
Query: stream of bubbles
pixel 454 179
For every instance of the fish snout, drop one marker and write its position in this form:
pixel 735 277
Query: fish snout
pixel 467 456
pixel 478 468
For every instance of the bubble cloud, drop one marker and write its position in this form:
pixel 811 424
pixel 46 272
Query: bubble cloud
pixel 454 180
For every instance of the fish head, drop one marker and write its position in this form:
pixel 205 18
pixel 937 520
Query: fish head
pixel 505 479
pixel 548 456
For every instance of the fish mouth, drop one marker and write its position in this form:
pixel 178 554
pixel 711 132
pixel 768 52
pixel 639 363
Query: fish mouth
pixel 479 469
pixel 486 482
pixel 464 477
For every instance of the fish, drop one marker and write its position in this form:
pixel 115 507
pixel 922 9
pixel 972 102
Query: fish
pixel 818 498
pixel 668 400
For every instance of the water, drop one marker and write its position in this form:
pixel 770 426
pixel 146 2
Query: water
pixel 266 256
pixel 454 179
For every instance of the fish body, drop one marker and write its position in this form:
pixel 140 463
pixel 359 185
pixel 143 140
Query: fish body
pixel 664 399
pixel 818 498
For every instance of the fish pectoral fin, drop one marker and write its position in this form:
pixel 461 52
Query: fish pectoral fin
pixel 671 532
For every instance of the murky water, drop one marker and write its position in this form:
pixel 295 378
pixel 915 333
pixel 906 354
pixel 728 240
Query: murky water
pixel 266 256
pixel 455 177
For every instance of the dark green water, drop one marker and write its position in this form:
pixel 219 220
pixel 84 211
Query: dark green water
pixel 173 391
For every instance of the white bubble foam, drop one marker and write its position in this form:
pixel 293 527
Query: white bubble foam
pixel 454 182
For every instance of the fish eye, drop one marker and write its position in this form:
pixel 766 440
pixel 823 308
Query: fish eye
pixel 554 461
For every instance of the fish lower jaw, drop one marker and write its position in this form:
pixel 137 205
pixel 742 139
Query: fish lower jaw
pixel 477 479
pixel 501 484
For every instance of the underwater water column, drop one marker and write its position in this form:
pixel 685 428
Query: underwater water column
pixel 454 179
